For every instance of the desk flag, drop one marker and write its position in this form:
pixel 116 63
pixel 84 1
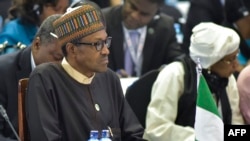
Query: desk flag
pixel 208 123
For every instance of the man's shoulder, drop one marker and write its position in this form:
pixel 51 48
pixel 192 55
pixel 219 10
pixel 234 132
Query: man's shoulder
pixel 165 19
pixel 22 55
pixel 47 66
pixel 162 22
pixel 111 12
pixel 48 71
pixel 8 59
pixel 9 66
pixel 110 9
pixel 108 74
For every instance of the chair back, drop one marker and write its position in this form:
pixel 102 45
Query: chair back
pixel 138 94
pixel 22 122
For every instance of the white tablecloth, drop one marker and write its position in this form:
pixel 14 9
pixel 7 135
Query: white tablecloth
pixel 126 82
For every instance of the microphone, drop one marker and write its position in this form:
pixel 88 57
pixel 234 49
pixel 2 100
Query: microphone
pixel 5 116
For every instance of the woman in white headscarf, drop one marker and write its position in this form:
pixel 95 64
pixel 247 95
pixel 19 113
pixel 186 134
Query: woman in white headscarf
pixel 171 111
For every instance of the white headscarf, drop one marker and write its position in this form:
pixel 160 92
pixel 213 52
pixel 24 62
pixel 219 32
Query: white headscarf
pixel 211 42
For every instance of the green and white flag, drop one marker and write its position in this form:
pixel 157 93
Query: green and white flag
pixel 208 123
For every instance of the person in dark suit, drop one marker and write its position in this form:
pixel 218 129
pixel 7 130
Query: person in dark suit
pixel 201 11
pixel 102 3
pixel 156 45
pixel 173 12
pixel 15 66
pixel 237 14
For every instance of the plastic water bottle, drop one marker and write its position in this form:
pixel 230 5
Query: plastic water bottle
pixel 93 135
pixel 105 136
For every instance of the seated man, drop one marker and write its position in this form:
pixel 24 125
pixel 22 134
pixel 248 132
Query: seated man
pixel 15 66
pixel 144 38
pixel 66 101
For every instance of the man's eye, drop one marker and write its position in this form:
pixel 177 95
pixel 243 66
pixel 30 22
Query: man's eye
pixel 98 43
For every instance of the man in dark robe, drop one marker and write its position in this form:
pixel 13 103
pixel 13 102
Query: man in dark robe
pixel 65 101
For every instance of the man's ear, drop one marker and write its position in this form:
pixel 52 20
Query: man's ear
pixel 70 48
pixel 36 43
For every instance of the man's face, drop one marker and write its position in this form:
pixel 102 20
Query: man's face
pixel 50 52
pixel 86 58
pixel 137 13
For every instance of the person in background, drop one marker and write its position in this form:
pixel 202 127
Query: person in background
pixel 102 3
pixel 202 11
pixel 25 18
pixel 4 5
pixel 107 3
pixel 172 11
pixel 238 18
pixel 143 37
pixel 243 82
pixel 171 111
pixel 18 65
pixel 175 13
pixel 66 101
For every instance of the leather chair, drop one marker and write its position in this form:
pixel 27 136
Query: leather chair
pixel 138 94
pixel 22 122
